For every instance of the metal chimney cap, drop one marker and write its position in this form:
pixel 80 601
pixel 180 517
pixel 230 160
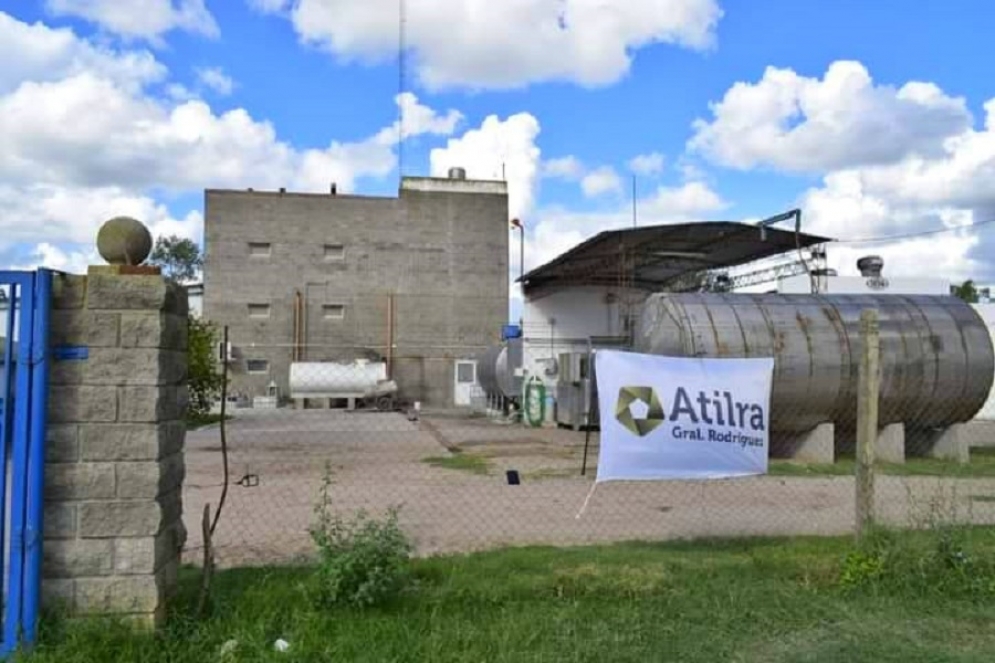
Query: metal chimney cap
pixel 870 265
pixel 457 173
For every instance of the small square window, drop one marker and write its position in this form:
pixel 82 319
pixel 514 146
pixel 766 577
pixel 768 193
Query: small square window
pixel 256 366
pixel 258 310
pixel 465 373
pixel 333 311
pixel 260 249
pixel 334 252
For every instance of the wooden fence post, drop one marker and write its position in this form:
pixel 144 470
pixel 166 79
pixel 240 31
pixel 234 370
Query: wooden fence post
pixel 868 391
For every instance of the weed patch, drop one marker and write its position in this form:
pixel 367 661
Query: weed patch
pixel 362 561
pixel 463 462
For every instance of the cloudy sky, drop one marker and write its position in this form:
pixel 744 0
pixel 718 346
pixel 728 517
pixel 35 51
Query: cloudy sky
pixel 876 118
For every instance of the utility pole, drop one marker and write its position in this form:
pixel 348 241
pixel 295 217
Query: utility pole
pixel 401 83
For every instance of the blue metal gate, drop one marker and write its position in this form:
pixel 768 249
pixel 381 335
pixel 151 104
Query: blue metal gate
pixel 23 413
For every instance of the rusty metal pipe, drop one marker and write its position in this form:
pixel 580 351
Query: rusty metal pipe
pixel 296 352
pixel 390 336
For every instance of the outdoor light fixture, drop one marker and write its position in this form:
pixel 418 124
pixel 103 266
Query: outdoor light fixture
pixel 516 223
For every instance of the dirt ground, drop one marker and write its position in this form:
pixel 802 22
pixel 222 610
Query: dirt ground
pixel 277 459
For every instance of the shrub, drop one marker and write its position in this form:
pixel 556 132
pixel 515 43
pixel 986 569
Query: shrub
pixel 363 561
pixel 203 377
pixel 935 562
pixel 861 568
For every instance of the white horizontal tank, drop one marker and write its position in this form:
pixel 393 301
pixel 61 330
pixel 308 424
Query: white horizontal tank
pixel 335 380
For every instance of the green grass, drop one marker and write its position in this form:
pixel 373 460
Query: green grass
pixel 465 462
pixel 760 600
pixel 982 465
pixel 201 421
pixel 554 473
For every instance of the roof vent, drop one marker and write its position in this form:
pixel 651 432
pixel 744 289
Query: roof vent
pixel 870 266
pixel 457 173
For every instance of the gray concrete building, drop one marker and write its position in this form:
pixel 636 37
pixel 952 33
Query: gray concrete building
pixel 420 280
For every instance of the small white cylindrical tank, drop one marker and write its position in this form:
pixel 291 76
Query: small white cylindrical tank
pixel 327 379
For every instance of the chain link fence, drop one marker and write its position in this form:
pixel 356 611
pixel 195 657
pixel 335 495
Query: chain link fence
pixel 475 476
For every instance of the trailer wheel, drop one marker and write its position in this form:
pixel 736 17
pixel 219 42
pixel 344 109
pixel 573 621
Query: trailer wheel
pixel 385 403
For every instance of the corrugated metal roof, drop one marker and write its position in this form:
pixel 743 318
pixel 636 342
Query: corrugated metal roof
pixel 651 257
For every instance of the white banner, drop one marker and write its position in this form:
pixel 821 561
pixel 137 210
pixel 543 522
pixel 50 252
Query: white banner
pixel 682 418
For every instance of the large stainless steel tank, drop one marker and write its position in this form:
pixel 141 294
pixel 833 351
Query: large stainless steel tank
pixel 496 369
pixel 937 360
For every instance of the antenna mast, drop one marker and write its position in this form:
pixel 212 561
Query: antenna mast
pixel 401 84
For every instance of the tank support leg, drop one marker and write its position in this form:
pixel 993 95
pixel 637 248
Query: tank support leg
pixel 951 443
pixel 890 446
pixel 816 445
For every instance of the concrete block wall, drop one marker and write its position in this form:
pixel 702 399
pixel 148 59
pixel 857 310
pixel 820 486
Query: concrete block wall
pixel 115 465
pixel 440 249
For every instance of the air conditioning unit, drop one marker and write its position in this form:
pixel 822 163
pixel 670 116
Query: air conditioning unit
pixel 225 353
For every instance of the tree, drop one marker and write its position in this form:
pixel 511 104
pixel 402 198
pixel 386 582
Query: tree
pixel 966 291
pixel 178 257
pixel 203 377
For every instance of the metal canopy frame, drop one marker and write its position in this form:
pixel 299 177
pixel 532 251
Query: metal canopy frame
pixel 660 255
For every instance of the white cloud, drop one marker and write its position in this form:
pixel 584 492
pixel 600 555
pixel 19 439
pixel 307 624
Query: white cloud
pixel 795 123
pixel 215 79
pixel 418 120
pixel 39 212
pixel 505 44
pixel 845 207
pixel 270 6
pixel 601 181
pixel 558 229
pixel 917 194
pixel 38 53
pixel 149 19
pixel 179 92
pixel 565 168
pixel 687 202
pixel 60 259
pixel 137 141
pixel 497 146
pixel 647 164
pixel 894 162
pixel 62 177
pixel 60 224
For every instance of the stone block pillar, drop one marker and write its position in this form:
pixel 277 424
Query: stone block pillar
pixel 115 468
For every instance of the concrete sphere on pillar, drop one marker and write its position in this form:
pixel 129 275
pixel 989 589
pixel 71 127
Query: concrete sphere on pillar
pixel 124 241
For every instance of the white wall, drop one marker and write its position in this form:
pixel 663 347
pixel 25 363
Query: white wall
pixel 196 301
pixel 577 314
pixel 858 285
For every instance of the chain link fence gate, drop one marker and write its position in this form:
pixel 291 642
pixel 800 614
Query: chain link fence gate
pixel 476 478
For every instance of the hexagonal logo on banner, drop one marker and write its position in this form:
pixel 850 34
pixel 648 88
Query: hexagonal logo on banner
pixel 641 426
